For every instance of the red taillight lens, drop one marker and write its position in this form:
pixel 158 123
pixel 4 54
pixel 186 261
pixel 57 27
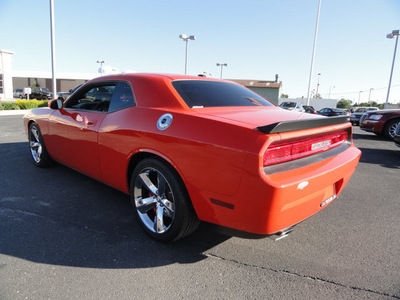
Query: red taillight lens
pixel 281 152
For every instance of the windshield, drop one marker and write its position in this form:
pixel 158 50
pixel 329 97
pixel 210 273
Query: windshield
pixel 45 90
pixel 202 93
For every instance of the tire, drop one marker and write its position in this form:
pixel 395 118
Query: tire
pixel 390 127
pixel 161 202
pixel 37 147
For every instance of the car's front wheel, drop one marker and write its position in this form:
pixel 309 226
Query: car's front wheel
pixel 37 147
pixel 390 128
pixel 161 202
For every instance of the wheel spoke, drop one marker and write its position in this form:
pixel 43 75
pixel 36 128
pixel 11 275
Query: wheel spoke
pixel 35 134
pixel 34 144
pixel 161 184
pixel 159 224
pixel 148 185
pixel 169 207
pixel 145 204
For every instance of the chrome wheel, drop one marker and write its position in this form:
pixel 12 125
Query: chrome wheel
pixel 154 200
pixel 37 147
pixel 392 129
pixel 35 144
pixel 161 201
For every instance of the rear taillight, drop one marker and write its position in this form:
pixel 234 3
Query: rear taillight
pixel 286 151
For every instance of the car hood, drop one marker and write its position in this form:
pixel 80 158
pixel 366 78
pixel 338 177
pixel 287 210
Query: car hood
pixel 254 117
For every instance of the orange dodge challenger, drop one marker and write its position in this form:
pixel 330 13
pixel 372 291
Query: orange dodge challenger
pixel 191 148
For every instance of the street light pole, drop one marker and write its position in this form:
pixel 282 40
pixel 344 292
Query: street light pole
pixel 369 97
pixel 313 53
pixel 359 95
pixel 186 38
pixel 101 62
pixel 53 49
pixel 221 65
pixel 316 96
pixel 395 33
pixel 329 95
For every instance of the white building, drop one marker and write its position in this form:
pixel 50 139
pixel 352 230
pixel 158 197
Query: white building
pixel 6 84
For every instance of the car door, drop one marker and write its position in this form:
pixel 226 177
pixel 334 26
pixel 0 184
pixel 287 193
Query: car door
pixel 73 130
pixel 117 136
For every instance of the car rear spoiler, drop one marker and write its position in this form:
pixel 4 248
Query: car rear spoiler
pixel 286 126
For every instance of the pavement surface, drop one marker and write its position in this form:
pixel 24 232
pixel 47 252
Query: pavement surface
pixel 66 236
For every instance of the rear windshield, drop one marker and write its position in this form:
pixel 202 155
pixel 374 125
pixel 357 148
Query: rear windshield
pixel 201 93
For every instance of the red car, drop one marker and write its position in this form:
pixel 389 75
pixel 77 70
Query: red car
pixel 381 122
pixel 192 148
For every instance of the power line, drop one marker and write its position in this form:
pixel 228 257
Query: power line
pixel 375 89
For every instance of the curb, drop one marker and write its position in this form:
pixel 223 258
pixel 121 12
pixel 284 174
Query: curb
pixel 13 112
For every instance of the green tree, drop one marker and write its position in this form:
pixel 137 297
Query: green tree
pixel 344 103
pixel 284 96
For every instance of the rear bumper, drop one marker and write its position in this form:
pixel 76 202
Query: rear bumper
pixel 266 204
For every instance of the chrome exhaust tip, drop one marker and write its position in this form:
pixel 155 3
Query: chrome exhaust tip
pixel 282 233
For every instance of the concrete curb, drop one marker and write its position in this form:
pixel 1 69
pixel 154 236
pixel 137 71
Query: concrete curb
pixel 13 112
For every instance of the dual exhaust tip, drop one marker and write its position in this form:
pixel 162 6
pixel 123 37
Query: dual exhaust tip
pixel 282 233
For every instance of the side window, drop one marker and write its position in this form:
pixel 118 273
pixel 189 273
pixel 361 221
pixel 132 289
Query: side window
pixel 96 98
pixel 122 97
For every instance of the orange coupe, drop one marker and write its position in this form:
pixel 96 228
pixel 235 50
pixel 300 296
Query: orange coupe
pixel 191 148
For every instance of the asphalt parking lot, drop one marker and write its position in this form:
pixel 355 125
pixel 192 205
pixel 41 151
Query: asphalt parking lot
pixel 66 236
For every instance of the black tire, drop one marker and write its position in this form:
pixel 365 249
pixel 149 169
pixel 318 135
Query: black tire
pixel 390 127
pixel 161 202
pixel 38 150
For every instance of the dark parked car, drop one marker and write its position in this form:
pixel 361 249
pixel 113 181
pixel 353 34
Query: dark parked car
pixel 355 117
pixel 64 95
pixel 332 112
pixel 41 94
pixel 397 135
pixel 309 109
pixel 381 122
pixel 19 93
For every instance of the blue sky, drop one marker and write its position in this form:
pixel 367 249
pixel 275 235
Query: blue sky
pixel 257 39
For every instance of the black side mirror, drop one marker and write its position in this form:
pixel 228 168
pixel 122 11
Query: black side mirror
pixel 56 104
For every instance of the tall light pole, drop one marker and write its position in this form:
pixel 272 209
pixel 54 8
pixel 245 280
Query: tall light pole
pixel 329 95
pixel 221 65
pixel 313 53
pixel 359 95
pixel 316 95
pixel 53 49
pixel 395 33
pixel 369 97
pixel 186 38
pixel 101 62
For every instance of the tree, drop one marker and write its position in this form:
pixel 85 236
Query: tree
pixel 344 103
pixel 284 96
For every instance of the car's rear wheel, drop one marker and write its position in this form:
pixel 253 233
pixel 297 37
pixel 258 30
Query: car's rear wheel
pixel 37 147
pixel 390 128
pixel 161 202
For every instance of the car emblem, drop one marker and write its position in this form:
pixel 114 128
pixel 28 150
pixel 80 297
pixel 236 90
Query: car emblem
pixel 164 121
pixel 302 185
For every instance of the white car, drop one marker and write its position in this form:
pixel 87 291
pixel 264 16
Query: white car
pixel 292 106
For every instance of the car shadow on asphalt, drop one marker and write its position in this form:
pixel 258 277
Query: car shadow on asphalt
pixel 368 136
pixel 58 216
pixel 382 157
